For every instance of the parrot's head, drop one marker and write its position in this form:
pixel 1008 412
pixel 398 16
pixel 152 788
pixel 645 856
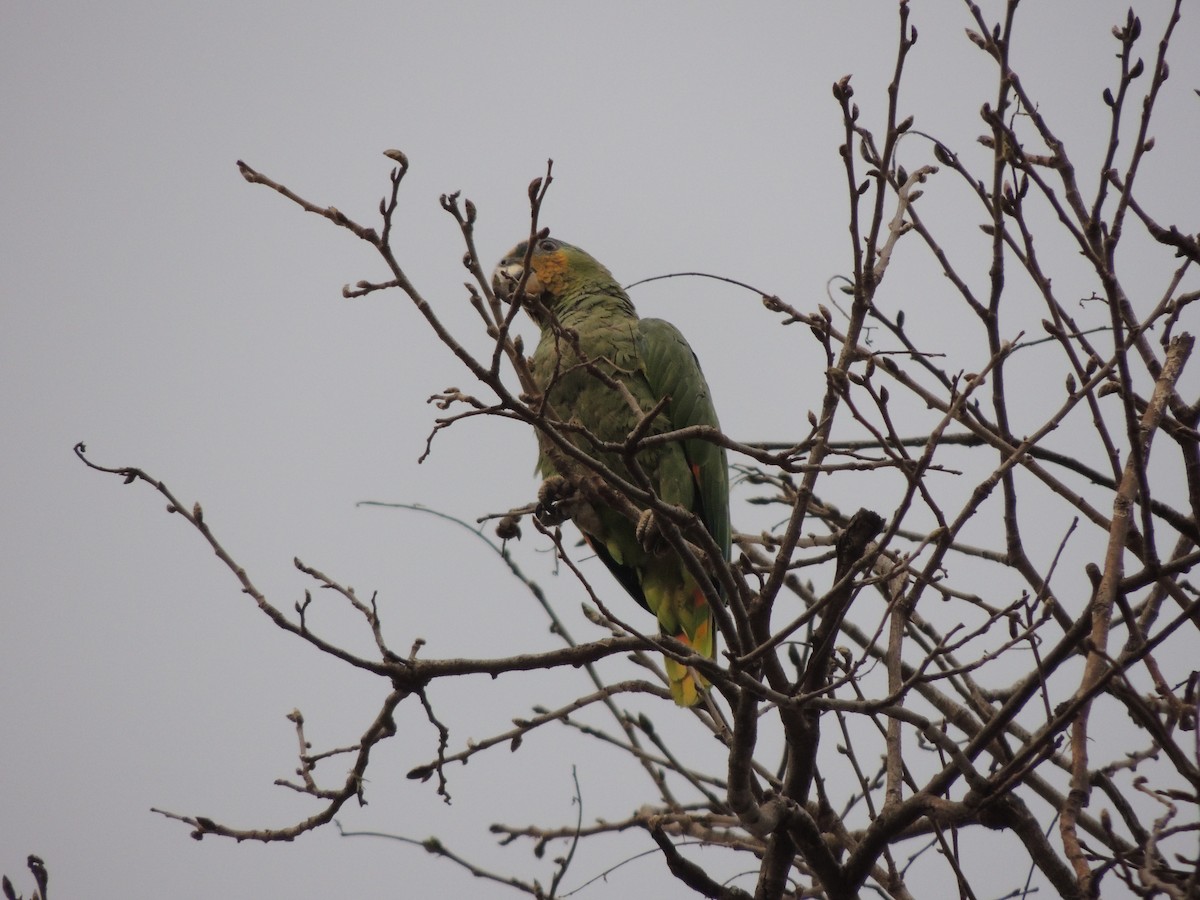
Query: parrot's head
pixel 559 275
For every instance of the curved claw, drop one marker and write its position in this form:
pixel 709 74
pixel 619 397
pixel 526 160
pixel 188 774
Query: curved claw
pixel 554 495
pixel 648 534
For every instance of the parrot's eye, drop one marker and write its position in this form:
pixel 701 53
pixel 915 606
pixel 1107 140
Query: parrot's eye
pixel 548 245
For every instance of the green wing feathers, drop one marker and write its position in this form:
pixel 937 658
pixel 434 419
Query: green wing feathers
pixel 672 370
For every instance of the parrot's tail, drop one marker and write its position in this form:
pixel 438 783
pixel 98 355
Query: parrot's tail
pixel 686 682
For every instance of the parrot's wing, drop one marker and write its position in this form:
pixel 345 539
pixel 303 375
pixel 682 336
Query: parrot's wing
pixel 672 370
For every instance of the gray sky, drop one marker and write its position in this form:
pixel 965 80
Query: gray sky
pixel 176 318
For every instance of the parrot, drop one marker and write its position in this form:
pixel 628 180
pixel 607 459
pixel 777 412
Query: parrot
pixel 567 288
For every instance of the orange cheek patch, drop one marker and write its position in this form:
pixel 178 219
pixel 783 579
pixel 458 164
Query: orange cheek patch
pixel 551 270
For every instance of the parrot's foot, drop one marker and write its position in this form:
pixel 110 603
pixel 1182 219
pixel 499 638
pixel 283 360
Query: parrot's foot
pixel 649 535
pixel 554 498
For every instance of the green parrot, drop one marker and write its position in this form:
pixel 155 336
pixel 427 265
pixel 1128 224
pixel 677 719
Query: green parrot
pixel 651 359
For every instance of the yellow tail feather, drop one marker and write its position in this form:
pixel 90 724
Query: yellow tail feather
pixel 686 683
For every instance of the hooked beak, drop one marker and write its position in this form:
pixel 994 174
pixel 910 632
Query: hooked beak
pixel 507 276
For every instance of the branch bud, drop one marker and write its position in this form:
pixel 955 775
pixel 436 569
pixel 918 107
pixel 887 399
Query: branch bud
pixel 509 528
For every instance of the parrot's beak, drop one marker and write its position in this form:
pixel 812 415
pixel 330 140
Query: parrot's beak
pixel 507 276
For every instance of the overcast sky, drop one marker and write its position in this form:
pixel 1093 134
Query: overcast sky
pixel 176 318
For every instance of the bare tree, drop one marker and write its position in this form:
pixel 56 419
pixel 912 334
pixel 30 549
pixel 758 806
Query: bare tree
pixel 1025 592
